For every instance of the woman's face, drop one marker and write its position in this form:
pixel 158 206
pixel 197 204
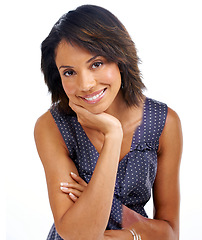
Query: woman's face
pixel 88 80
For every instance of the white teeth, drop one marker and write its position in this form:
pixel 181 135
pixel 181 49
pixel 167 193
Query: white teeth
pixel 94 97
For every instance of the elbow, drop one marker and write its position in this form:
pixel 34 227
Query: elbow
pixel 176 235
pixel 173 231
pixel 77 231
pixel 65 231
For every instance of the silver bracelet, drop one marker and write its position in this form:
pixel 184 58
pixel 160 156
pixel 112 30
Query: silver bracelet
pixel 135 235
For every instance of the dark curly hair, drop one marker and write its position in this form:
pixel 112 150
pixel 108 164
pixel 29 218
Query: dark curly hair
pixel 100 32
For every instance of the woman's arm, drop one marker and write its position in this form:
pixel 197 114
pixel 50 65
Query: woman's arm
pixel 88 217
pixel 166 194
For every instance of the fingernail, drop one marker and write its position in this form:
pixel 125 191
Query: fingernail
pixel 71 194
pixel 63 184
pixel 74 174
pixel 63 188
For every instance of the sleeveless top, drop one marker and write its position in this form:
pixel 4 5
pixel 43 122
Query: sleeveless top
pixel 136 171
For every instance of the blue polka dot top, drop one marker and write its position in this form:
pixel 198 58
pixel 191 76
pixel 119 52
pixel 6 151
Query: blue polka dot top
pixel 136 171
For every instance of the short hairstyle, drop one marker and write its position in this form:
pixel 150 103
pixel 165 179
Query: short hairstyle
pixel 98 31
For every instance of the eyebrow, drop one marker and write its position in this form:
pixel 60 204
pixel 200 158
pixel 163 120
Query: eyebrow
pixel 65 66
pixel 89 60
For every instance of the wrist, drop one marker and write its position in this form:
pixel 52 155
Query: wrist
pixel 115 132
pixel 134 234
pixel 127 234
pixel 112 127
pixel 114 138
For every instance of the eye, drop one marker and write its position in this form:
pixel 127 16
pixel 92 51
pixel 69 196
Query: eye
pixel 68 73
pixel 97 64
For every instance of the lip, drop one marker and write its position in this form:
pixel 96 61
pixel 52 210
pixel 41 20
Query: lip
pixel 94 97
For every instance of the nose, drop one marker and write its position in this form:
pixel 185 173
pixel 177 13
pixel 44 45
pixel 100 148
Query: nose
pixel 86 81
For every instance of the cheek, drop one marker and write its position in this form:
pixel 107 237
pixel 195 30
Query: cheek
pixel 69 88
pixel 113 76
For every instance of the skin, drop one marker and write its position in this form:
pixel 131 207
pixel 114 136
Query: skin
pixel 85 75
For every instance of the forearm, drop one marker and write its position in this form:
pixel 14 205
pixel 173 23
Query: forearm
pixel 91 212
pixel 153 229
pixel 148 229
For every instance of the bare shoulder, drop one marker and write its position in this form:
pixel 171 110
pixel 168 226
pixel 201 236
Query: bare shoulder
pixel 46 127
pixel 172 132
pixel 48 138
pixel 45 118
pixel 173 125
pixel 45 124
pixel 172 118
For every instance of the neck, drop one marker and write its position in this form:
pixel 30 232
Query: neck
pixel 118 107
pixel 120 110
pixel 124 113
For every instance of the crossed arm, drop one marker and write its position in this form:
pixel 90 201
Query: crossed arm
pixel 95 199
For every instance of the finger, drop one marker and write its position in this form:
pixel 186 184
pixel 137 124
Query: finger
pixel 73 197
pixel 71 104
pixel 73 185
pixel 64 189
pixel 80 111
pixel 75 107
pixel 78 179
pixel 75 192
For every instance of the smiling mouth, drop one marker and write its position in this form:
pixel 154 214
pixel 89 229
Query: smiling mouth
pixel 94 98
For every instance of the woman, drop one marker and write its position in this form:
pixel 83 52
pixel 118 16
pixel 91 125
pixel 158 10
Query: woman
pixel 103 144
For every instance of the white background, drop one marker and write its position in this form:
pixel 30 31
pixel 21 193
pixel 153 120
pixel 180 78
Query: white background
pixel 169 42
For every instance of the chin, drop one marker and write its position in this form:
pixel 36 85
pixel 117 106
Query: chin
pixel 97 109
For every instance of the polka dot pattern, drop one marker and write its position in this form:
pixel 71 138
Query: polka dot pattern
pixel 136 171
